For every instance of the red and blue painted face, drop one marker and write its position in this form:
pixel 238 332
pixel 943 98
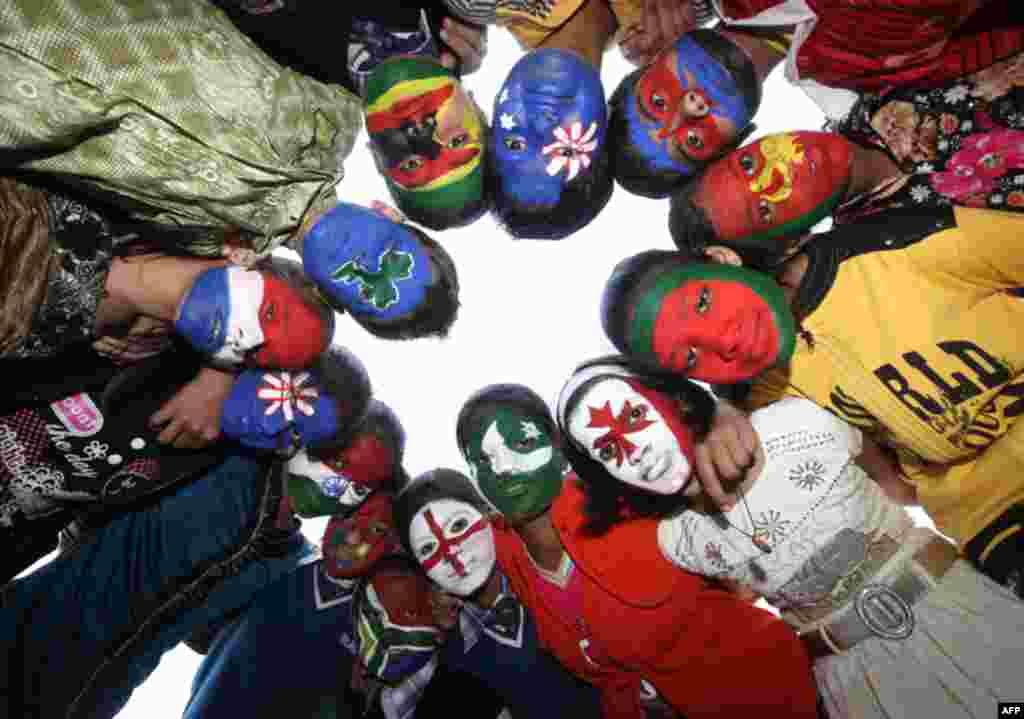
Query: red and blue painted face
pixel 685 109
pixel 550 120
pixel 237 316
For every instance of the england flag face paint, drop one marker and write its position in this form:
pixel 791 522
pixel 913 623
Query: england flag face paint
pixel 454 543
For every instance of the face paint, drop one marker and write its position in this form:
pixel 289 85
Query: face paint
pixel 550 122
pixel 279 410
pixel 353 545
pixel 317 489
pixel 684 108
pixel 636 434
pixel 713 322
pixel 219 315
pixel 426 133
pixel 514 463
pixel 455 545
pixel 229 312
pixel 397 633
pixel 366 263
pixel 779 186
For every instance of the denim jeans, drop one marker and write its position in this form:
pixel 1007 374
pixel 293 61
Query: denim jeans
pixel 82 632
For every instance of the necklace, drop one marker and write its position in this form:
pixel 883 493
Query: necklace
pixel 758 539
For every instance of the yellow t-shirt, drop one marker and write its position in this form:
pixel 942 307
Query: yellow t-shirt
pixel 921 348
pixel 532 21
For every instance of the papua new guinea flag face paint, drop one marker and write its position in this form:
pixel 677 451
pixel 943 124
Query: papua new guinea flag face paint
pixel 352 545
pixel 366 263
pixel 550 121
pixel 426 133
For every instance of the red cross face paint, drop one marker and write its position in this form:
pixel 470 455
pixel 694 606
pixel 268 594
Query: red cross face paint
pixel 711 322
pixel 294 332
pixel 636 433
pixel 454 543
pixel 779 186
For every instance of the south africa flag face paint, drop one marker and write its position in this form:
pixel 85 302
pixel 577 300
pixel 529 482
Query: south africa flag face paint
pixel 426 133
pixel 397 633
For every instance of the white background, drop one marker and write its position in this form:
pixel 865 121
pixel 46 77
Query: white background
pixel 529 315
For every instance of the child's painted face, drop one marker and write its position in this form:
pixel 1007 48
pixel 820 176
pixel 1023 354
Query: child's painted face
pixel 454 543
pixel 238 316
pixel 352 545
pixel 777 187
pixel 549 121
pixel 685 109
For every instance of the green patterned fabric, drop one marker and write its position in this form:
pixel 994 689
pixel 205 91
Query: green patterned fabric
pixel 165 102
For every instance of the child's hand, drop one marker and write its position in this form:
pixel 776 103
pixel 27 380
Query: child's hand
pixel 191 418
pixel 146 337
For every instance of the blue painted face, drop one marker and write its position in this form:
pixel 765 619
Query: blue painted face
pixel 279 410
pixel 549 121
pixel 685 109
pixel 367 264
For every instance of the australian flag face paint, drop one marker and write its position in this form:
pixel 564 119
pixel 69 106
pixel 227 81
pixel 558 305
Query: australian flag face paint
pixel 279 410
pixel 550 120
pixel 367 264
pixel 220 314
pixel 685 109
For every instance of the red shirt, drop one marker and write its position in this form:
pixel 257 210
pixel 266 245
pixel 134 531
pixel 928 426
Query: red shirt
pixel 708 652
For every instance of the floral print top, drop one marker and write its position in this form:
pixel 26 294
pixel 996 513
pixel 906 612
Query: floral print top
pixel 960 143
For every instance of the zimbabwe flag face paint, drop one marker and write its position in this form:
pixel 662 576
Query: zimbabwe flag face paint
pixel 426 133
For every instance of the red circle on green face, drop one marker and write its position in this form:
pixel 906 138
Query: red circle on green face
pixel 719 330
pixel 773 182
pixel 293 332
pixel 366 460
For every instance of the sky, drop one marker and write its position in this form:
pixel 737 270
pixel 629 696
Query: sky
pixel 529 315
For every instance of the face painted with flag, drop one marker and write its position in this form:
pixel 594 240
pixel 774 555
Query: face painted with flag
pixel 426 134
pixel 236 316
pixel 353 545
pixel 513 460
pixel 279 410
pixel 397 631
pixel 454 543
pixel 367 264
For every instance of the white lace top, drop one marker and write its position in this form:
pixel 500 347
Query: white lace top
pixel 818 512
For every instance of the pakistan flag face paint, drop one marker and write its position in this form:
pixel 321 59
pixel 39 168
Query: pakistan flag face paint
pixel 426 133
pixel 514 462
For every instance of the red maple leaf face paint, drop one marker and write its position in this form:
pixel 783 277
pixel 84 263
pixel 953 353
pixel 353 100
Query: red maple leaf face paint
pixel 614 444
pixel 454 543
pixel 294 332
pixel 636 433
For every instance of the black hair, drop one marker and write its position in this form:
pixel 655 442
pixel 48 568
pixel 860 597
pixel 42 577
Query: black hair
pixel 631 170
pixel 580 201
pixel 429 487
pixel 507 395
pixel 608 500
pixel 439 309
pixel 343 376
pixel 691 230
pixel 630 276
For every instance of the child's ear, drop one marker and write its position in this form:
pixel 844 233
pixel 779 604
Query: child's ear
pixel 723 256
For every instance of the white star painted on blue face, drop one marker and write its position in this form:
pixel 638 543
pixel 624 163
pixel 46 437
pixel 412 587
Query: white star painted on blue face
pixel 503 96
pixel 508 121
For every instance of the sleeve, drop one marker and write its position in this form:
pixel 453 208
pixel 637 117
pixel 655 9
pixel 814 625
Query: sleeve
pixel 620 698
pixel 985 248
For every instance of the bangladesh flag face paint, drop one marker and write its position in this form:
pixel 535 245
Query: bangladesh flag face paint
pixel 776 188
pixel 397 633
pixel 426 132
pixel 513 460
pixel 714 323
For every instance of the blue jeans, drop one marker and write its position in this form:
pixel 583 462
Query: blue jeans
pixel 82 632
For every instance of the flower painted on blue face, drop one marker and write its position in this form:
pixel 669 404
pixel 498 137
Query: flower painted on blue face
pixel 550 120
pixel 685 109
pixel 366 263
pixel 279 410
